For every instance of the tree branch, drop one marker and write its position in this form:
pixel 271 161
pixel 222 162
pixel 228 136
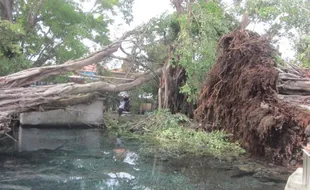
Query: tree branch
pixel 33 14
pixel 29 76
pixel 105 77
pixel 17 100
pixel 7 9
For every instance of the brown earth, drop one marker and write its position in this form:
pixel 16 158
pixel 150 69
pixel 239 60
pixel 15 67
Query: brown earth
pixel 240 97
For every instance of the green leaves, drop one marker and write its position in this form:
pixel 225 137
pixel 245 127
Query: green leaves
pixel 174 135
pixel 303 49
pixel 9 37
pixel 11 65
pixel 11 55
pixel 49 32
pixel 197 41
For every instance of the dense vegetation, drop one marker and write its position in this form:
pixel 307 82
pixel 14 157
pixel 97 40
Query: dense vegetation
pixel 36 33
pixel 174 135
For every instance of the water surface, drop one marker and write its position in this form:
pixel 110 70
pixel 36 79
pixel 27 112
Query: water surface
pixel 101 165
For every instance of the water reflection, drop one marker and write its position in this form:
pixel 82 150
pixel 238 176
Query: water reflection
pixel 110 165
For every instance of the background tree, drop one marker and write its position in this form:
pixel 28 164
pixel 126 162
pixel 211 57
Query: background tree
pixel 184 44
pixel 280 18
pixel 52 32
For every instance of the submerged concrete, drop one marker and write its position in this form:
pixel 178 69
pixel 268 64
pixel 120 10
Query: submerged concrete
pixel 294 182
pixel 73 116
pixel 32 139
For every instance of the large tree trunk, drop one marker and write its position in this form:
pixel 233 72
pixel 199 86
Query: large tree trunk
pixel 17 100
pixel 173 78
pixel 29 76
pixel 293 81
pixel 16 97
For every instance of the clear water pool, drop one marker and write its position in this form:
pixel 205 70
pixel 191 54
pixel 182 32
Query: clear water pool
pixel 104 166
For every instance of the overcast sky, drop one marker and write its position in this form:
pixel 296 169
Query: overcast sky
pixel 144 10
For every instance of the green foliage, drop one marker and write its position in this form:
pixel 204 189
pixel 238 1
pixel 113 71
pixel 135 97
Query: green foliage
pixel 58 31
pixel 197 40
pixel 10 34
pixel 284 17
pixel 12 65
pixel 194 37
pixel 174 135
pixel 11 57
pixel 303 49
pixel 67 26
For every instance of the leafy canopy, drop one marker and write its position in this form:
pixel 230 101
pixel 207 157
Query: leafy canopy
pixel 52 32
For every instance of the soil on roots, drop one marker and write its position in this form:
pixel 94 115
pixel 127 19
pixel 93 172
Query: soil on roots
pixel 240 97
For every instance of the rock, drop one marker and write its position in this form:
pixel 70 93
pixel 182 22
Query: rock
pixel 245 168
pixel 271 164
pixel 270 183
pixel 239 173
pixel 258 169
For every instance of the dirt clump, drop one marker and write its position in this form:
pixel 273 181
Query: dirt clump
pixel 240 97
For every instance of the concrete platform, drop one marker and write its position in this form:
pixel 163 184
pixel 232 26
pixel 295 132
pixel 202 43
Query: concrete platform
pixel 82 115
pixel 32 139
pixel 294 182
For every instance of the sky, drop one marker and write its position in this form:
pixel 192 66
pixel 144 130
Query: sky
pixel 144 10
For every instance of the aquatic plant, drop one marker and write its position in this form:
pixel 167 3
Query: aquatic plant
pixel 176 135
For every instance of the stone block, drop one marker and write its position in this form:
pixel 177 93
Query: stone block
pixel 77 115
pixel 294 182
pixel 32 139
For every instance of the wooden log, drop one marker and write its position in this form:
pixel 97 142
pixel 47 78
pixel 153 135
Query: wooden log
pixel 29 76
pixel 296 87
pixel 17 100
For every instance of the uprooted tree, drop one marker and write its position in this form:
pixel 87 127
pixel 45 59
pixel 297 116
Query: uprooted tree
pixel 246 93
pixel 240 96
pixel 191 34
pixel 16 94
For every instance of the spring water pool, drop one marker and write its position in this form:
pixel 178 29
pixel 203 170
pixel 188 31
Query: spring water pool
pixel 99 164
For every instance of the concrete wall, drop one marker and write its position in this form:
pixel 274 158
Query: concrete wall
pixel 32 139
pixel 77 115
pixel 294 182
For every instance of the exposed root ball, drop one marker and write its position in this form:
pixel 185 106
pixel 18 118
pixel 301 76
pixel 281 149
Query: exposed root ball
pixel 240 96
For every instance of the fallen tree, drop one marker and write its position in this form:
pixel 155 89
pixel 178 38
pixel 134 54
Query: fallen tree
pixel 293 80
pixel 16 94
pixel 240 96
pixel 29 76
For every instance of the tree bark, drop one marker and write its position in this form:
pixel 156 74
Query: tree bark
pixel 295 99
pixel 16 97
pixel 295 87
pixel 17 100
pixel 293 81
pixel 6 10
pixel 29 76
pixel 33 14
pixel 178 5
